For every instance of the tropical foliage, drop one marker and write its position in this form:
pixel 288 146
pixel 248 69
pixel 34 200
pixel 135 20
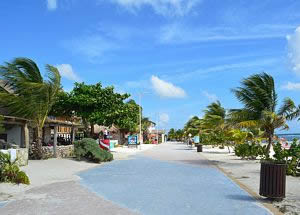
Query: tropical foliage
pixel 25 93
pixel 93 103
pixel 257 94
pixel 174 134
pixel 146 123
pixel 1 124
pixel 289 156
pixel 88 149
pixel 246 128
pixel 10 172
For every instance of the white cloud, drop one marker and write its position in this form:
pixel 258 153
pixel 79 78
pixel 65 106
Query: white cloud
pixel 93 47
pixel 67 72
pixel 163 118
pixel 52 4
pixel 162 7
pixel 291 86
pixel 294 50
pixel 257 64
pixel 166 89
pixel 210 96
pixel 182 33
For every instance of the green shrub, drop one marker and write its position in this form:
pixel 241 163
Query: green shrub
pixel 249 151
pixel 89 150
pixel 10 172
pixel 147 142
pixel 289 156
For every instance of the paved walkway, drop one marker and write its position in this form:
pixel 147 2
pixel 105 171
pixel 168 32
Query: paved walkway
pixel 168 179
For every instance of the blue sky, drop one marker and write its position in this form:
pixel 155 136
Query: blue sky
pixel 181 54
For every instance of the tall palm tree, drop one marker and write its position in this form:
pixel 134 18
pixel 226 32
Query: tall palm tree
pixel 25 93
pixel 257 94
pixel 214 123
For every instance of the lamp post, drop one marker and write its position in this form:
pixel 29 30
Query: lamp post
pixel 140 118
pixel 140 126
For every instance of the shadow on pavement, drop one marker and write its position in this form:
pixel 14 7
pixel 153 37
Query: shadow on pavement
pixel 188 149
pixel 241 198
pixel 197 162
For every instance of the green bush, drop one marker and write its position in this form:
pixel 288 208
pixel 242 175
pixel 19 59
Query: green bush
pixel 147 142
pixel 249 151
pixel 289 156
pixel 89 150
pixel 10 172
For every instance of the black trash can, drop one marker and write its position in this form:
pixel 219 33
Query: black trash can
pixel 199 148
pixel 272 180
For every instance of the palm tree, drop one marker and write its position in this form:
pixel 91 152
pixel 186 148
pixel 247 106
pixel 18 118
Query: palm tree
pixel 25 93
pixel 192 126
pixel 146 123
pixel 257 94
pixel 214 124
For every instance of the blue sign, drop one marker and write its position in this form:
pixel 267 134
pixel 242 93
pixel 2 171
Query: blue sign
pixel 196 139
pixel 132 140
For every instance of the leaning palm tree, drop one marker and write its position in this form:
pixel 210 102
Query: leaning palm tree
pixel 259 98
pixel 192 126
pixel 25 93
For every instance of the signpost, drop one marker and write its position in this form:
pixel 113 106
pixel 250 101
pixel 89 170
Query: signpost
pixel 133 140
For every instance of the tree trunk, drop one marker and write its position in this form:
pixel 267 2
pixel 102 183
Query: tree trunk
pixel 92 130
pixel 39 135
pixel 86 127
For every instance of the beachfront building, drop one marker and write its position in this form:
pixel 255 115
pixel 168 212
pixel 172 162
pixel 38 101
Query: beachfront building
pixel 155 135
pixel 59 133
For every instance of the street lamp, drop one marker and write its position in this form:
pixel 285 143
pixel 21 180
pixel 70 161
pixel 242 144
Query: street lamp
pixel 140 117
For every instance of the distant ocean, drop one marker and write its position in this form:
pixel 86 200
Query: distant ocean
pixel 289 137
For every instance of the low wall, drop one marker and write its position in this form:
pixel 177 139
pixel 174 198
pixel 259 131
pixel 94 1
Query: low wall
pixel 61 151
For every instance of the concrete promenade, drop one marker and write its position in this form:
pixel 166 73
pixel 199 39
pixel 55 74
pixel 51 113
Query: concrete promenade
pixel 167 179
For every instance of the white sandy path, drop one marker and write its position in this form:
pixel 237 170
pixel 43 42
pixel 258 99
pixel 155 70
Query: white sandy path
pixel 248 173
pixel 43 172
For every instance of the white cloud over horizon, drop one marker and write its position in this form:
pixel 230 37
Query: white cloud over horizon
pixel 51 4
pixel 161 7
pixel 294 50
pixel 210 96
pixel 67 72
pixel 163 118
pixel 166 89
pixel 291 86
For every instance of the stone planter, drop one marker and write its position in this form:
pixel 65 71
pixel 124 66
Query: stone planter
pixel 199 148
pixel 272 180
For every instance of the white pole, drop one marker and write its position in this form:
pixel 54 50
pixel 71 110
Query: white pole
pixel 157 128
pixel 141 138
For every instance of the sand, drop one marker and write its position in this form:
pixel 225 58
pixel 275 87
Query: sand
pixel 44 172
pixel 248 173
